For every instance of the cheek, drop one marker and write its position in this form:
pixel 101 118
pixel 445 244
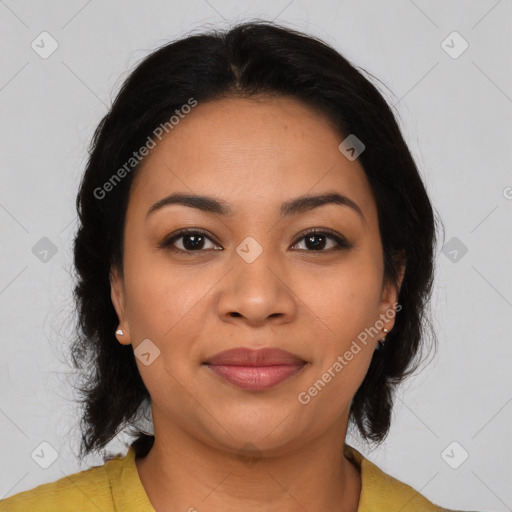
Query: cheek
pixel 165 307
pixel 166 304
pixel 350 308
pixel 163 300
pixel 343 302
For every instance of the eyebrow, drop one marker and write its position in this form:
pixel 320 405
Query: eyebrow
pixel 291 207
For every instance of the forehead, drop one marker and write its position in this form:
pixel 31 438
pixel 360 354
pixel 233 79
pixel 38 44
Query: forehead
pixel 252 153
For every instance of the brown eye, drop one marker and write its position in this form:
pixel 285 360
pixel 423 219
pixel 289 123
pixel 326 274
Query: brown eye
pixel 317 240
pixel 191 241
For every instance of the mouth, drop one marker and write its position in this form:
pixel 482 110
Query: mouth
pixel 255 370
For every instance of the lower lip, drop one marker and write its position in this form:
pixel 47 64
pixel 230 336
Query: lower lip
pixel 256 378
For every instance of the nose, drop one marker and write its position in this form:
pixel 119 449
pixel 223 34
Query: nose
pixel 257 291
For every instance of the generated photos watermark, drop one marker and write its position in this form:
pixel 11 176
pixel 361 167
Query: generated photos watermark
pixel 304 397
pixel 158 133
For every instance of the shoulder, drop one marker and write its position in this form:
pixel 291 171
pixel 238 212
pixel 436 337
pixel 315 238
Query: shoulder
pixel 88 490
pixel 382 492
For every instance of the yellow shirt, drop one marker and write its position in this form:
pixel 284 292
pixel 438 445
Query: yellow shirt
pixel 115 486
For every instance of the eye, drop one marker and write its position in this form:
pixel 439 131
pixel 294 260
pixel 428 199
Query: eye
pixel 193 240
pixel 316 239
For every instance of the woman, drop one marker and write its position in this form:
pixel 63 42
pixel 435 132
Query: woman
pixel 254 260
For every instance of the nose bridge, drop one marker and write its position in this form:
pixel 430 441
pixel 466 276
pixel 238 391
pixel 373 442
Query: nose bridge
pixel 256 285
pixel 253 262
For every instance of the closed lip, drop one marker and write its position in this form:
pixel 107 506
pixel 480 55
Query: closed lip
pixel 255 357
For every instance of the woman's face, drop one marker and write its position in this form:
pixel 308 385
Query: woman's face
pixel 255 279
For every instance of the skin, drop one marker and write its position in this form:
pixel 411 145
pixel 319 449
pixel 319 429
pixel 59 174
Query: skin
pixel 254 154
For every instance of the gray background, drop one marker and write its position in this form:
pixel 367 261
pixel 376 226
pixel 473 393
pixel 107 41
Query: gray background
pixel 456 116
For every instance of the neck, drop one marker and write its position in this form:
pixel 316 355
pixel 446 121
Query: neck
pixel 181 472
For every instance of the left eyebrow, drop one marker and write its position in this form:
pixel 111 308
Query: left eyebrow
pixel 291 207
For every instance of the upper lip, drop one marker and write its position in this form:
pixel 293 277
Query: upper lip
pixel 255 357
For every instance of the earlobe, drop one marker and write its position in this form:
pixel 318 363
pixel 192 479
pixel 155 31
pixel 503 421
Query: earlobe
pixel 118 301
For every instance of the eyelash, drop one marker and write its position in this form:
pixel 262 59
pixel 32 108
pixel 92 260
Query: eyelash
pixel 340 241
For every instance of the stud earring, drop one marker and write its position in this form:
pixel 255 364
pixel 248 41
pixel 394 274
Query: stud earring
pixel 380 345
pixel 120 332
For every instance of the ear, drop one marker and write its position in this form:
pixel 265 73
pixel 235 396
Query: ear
pixel 390 292
pixel 117 294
